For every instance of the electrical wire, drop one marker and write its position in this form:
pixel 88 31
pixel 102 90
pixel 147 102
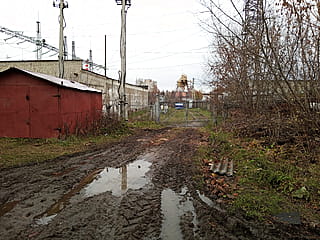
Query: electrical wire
pixel 169 55
pixel 166 67
pixel 160 47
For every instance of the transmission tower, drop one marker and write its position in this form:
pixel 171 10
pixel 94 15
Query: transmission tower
pixel 253 35
pixel 253 16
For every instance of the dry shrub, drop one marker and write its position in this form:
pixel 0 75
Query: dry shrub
pixel 104 124
pixel 282 125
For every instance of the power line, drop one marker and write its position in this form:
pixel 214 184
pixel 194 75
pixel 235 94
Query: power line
pixel 21 36
pixel 161 47
pixel 166 67
pixel 169 55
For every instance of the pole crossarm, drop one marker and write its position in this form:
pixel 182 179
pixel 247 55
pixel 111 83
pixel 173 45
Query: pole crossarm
pixel 127 2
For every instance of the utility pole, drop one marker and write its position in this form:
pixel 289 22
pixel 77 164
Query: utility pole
pixel 65 48
pixel 74 50
pixel 193 91
pixel 157 108
pixel 39 42
pixel 61 48
pixel 105 55
pixel 90 61
pixel 122 93
pixel 62 6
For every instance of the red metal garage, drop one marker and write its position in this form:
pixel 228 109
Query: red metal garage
pixel 35 105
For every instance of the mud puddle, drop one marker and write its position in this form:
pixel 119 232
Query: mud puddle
pixel 173 207
pixel 119 180
pixel 53 210
pixel 114 180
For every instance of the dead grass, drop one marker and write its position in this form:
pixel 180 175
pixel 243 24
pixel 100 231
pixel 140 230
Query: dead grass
pixel 21 151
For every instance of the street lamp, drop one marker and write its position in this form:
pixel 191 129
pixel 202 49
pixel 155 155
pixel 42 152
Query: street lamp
pixel 122 92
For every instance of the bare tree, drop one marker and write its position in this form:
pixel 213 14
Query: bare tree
pixel 266 57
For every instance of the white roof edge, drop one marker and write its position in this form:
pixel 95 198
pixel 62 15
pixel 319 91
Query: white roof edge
pixel 62 82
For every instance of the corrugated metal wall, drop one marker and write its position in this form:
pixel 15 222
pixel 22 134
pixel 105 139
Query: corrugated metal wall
pixel 31 107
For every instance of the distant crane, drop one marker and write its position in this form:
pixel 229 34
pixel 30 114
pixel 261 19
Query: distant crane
pixel 41 44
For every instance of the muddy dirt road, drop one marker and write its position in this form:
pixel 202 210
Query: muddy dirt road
pixel 139 188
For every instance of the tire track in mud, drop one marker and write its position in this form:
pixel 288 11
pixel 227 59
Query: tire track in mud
pixel 134 215
pixel 152 181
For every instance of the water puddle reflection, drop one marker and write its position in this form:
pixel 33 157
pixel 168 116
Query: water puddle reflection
pixel 45 220
pixel 205 199
pixel 173 207
pixel 171 215
pixel 119 180
pixel 116 180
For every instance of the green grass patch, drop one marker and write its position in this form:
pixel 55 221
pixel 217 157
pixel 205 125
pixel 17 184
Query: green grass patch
pixel 144 124
pixel 182 115
pixel 140 115
pixel 22 151
pixel 270 179
pixel 198 175
pixel 173 116
pixel 258 203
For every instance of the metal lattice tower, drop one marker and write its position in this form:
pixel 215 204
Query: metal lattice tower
pixel 253 16
pixel 253 35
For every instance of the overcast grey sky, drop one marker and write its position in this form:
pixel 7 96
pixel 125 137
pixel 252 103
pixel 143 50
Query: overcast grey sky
pixel 164 39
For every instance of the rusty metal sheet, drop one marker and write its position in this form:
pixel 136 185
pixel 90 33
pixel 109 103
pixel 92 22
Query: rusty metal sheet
pixel 14 111
pixel 44 112
pixel 31 107
pixel 62 82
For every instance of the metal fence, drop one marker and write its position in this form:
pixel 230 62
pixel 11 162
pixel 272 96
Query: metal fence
pixel 189 113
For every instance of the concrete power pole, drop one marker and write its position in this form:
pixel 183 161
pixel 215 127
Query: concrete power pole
pixel 61 48
pixel 122 93
pixel 123 53
pixel 61 5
